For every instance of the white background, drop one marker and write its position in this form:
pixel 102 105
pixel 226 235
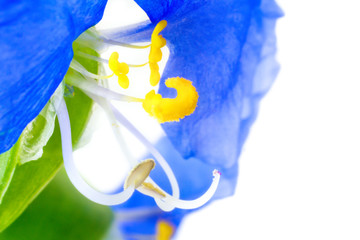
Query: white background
pixel 300 168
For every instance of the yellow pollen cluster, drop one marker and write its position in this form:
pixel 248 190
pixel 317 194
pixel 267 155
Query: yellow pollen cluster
pixel 119 69
pixel 172 109
pixel 157 42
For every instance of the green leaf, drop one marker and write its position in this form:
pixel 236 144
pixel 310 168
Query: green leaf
pixel 21 183
pixel 60 212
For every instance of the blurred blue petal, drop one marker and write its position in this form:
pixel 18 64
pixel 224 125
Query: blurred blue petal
pixel 36 50
pixel 227 48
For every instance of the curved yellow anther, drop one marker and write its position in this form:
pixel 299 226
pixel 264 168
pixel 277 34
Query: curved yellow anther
pixel 159 27
pixel 157 42
pixel 172 109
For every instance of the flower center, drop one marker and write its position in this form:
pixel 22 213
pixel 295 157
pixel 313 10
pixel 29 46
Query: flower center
pixel 163 109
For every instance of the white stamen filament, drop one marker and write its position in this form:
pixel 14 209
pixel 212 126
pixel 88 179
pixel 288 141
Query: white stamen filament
pixel 167 169
pixel 71 170
pixel 94 39
pixel 114 125
pixel 160 159
pixel 121 44
pixel 78 67
pixel 191 204
pixel 92 57
pixel 91 86
pixel 169 202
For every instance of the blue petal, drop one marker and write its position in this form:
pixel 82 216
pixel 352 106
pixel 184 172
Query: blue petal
pixel 162 9
pixel 227 48
pixel 36 50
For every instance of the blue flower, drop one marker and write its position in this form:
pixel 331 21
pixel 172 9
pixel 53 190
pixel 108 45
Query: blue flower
pixel 227 49
pixel 36 50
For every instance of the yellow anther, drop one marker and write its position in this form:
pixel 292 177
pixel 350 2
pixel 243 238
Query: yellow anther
pixel 114 62
pixel 159 27
pixel 123 68
pixel 120 69
pixel 163 41
pixel 172 109
pixel 154 66
pixel 154 73
pixel 116 66
pixel 164 230
pixel 155 55
pixel 154 78
pixel 123 80
pixel 157 42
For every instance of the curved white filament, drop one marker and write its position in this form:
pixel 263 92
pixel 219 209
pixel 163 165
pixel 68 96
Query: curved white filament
pixel 92 57
pixel 160 159
pixel 122 44
pixel 104 103
pixel 92 87
pixel 74 176
pixel 98 59
pixel 151 148
pixel 110 111
pixel 79 68
pixel 169 202
pixel 191 204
